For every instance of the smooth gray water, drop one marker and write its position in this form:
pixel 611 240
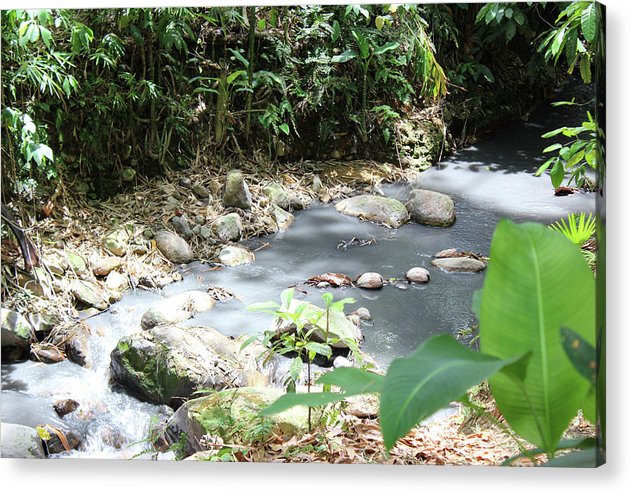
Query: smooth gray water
pixel 491 180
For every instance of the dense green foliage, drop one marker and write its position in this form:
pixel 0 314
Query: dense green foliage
pixel 97 98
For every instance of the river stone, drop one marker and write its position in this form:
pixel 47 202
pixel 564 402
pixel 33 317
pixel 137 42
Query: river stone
pixel 65 406
pixel 277 195
pixel 459 264
pixel 46 353
pixel 102 266
pixel 89 294
pixel 173 247
pixel 228 228
pixel 56 262
pixel 200 191
pixel 431 208
pixel 236 193
pixel 449 252
pixel 181 227
pixel 75 341
pixel 205 232
pixel 116 241
pixel 375 208
pixel 370 280
pixel 339 326
pixel 77 263
pixel 115 281
pixel 208 416
pixel 342 362
pixel 417 274
pixel 176 309
pixel 21 442
pixel 316 184
pixel 283 218
pixel 363 313
pixel 16 332
pixel 233 255
pixel 298 201
pixel 167 364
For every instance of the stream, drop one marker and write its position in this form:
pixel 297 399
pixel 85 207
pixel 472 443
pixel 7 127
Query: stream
pixel 488 181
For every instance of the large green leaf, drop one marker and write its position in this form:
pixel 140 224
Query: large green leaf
pixel 589 22
pixel 537 282
pixel 439 372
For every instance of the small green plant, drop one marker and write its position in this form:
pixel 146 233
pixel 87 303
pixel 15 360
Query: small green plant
pixel 578 228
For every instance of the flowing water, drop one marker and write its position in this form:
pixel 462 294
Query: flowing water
pixel 489 181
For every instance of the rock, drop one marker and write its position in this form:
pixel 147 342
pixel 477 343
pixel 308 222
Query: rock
pixel 77 263
pixel 148 234
pixel 459 264
pixel 38 282
pixel 54 444
pixel 16 334
pixel 208 416
pixel 384 210
pixel 43 323
pixel 420 142
pixel 298 201
pixel 75 342
pixel 370 280
pixel 56 262
pixel 316 184
pixel 417 274
pixel 116 241
pixel 277 195
pixel 283 218
pixel 233 255
pixel 116 281
pixel 176 309
pixel 228 228
pixel 363 405
pixel 200 191
pixel 181 227
pixel 46 353
pixel 185 182
pixel 237 193
pixel 173 247
pixel 21 442
pixel 342 362
pixel 354 319
pixel 363 314
pixel 197 229
pixel 205 232
pixel 87 293
pixel 431 208
pixel 339 326
pixel 102 266
pixel 65 406
pixel 449 252
pixel 167 364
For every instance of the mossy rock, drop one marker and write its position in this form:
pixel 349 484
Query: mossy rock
pixel 420 142
pixel 375 208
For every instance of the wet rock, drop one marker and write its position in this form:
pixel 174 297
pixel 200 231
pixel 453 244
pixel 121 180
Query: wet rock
pixel 102 266
pixel 277 195
pixel 233 255
pixel 383 210
pixel 342 362
pixel 283 218
pixel 167 364
pixel 298 201
pixel 65 406
pixel 228 228
pixel 200 191
pixel 340 327
pixel 354 319
pixel 16 334
pixel 116 241
pixel 236 192
pixel 363 314
pixel 173 247
pixel 449 252
pixel 370 280
pixel 116 281
pixel 89 294
pixel 21 442
pixel 177 308
pixel 74 341
pixel 181 227
pixel 46 353
pixel 43 323
pixel 316 184
pixel 459 264
pixel 431 208
pixel 417 274
pixel 205 416
pixel 55 444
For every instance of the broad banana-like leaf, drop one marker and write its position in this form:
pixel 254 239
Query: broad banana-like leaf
pixel 537 282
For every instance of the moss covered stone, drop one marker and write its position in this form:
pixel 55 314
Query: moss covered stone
pixel 383 210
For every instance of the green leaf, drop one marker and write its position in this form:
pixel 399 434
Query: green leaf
pixel 557 174
pixel 261 25
pixel 439 372
pixel 581 353
pixel 313 399
pixel 589 23
pixel 319 348
pixel 344 57
pixel 286 296
pixel 379 21
pixel 265 306
pixel 353 381
pixel 240 57
pixel 537 281
pixel 577 459
pixel 284 128
pixel 585 67
pixel 392 45
pixel 235 75
pixel 553 147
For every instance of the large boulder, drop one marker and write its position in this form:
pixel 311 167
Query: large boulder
pixel 167 364
pixel 233 255
pixel 383 210
pixel 21 442
pixel 87 293
pixel 173 247
pixel 176 309
pixel 431 208
pixel 459 264
pixel 16 334
pixel 236 193
pixel 228 228
pixel 212 415
pixel 277 195
pixel 340 327
pixel 102 266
